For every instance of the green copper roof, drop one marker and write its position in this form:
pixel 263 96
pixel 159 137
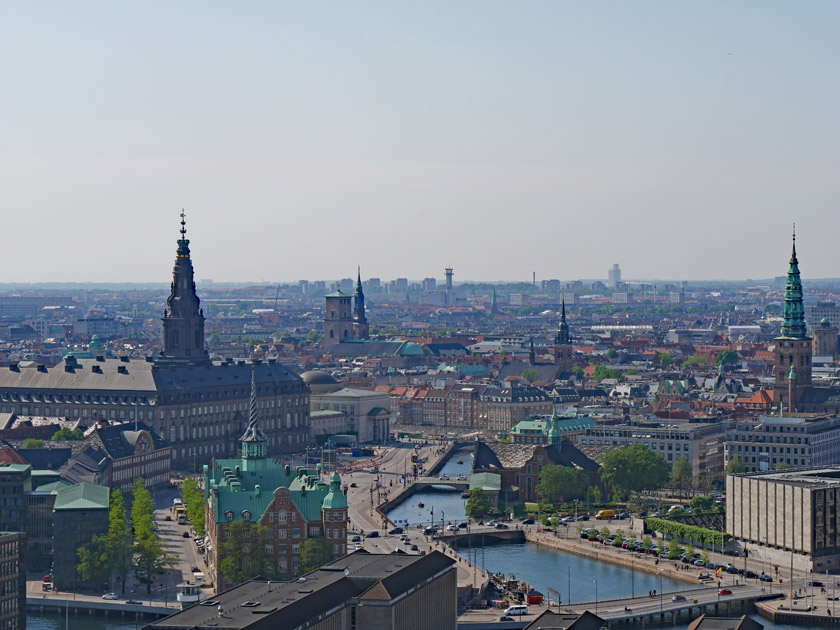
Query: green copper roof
pixel 337 294
pixel 793 326
pixel 335 499
pixel 489 482
pixel 237 493
pixel 82 496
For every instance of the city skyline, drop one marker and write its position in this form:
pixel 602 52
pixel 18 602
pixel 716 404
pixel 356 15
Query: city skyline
pixel 300 139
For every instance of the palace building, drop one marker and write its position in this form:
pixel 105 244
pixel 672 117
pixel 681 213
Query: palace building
pixel 197 405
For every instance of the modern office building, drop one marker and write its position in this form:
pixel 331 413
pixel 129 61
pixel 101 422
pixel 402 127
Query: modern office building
pixel 80 513
pixel 787 517
pixel 765 443
pixel 15 482
pixel 12 581
pixel 359 591
pixel 701 444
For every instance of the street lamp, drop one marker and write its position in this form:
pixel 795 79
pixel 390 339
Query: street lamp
pixel 570 586
pixel 596 596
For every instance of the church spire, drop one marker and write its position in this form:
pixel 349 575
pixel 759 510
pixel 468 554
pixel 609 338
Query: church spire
pixel 253 440
pixel 793 326
pixel 532 355
pixel 359 300
pixel 183 319
pixel 562 336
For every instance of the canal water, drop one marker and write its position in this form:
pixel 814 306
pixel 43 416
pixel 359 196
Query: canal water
pixel 540 566
pixel 449 506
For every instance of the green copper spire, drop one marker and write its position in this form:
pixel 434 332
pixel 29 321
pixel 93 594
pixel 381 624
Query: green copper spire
pixel 253 440
pixel 793 326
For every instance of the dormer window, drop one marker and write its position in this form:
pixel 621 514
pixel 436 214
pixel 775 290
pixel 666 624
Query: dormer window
pixel 228 516
pixel 246 515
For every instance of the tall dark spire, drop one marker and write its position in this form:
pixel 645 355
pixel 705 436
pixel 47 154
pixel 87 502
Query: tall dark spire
pixel 253 440
pixel 359 300
pixel 183 319
pixel 532 355
pixel 562 337
pixel 793 326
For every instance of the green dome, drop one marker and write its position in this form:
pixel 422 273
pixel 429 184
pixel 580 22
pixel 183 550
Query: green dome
pixel 411 349
pixel 335 499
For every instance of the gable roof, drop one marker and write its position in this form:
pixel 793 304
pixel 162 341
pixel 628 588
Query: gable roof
pixel 82 496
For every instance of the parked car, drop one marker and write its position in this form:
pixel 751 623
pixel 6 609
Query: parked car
pixel 452 528
pixel 506 618
pixel 698 563
pixel 724 591
pixel 415 548
pixel 501 526
pixel 135 602
pixel 109 596
pixel 462 526
pixel 765 578
pixel 528 521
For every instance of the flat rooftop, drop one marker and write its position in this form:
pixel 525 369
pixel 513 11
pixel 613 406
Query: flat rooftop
pixel 816 476
pixel 316 595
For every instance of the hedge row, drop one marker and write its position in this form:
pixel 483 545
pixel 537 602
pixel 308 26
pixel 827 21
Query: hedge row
pixel 689 533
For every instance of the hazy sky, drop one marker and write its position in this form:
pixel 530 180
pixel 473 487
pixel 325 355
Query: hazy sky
pixel 679 139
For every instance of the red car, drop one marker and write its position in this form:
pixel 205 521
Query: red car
pixel 724 591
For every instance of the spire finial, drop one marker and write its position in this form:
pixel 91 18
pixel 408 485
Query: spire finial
pixel 183 225
pixel 563 308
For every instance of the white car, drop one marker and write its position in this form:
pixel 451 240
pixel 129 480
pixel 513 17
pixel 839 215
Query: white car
pixel 109 596
pixel 452 528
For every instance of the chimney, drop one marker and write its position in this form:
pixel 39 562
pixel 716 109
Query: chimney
pixel 122 369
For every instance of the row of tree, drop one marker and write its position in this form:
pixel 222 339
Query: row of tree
pixel 130 544
pixel 194 502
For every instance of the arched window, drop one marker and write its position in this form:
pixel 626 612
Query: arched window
pixel 228 516
pixel 246 515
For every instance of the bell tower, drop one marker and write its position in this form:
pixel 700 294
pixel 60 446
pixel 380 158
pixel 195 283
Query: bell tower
pixel 793 346
pixel 183 319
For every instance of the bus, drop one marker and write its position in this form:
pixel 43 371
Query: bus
pixel 181 514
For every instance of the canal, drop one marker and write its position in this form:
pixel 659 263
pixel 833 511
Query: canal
pixel 56 621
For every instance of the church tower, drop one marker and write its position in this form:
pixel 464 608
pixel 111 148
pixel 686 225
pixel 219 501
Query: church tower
pixel 563 342
pixel 793 346
pixel 361 329
pixel 183 319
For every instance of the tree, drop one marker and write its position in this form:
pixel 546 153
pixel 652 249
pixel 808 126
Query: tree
pixel 726 357
pixel 681 473
pixel 782 466
pixel 695 360
pixel 602 372
pixel 702 503
pixel 674 549
pixel 561 483
pixel 735 466
pixel 194 502
pixel 150 560
pixel 647 544
pixel 478 504
pixel 595 494
pixel 142 511
pixel 314 552
pixel 66 434
pixel 111 553
pixel 33 443
pixel 619 537
pixel 633 469
pixel 578 370
pixel 530 375
pixel 612 353
pixel 605 532
pixel 665 359
pixel 704 557
pixel 242 552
